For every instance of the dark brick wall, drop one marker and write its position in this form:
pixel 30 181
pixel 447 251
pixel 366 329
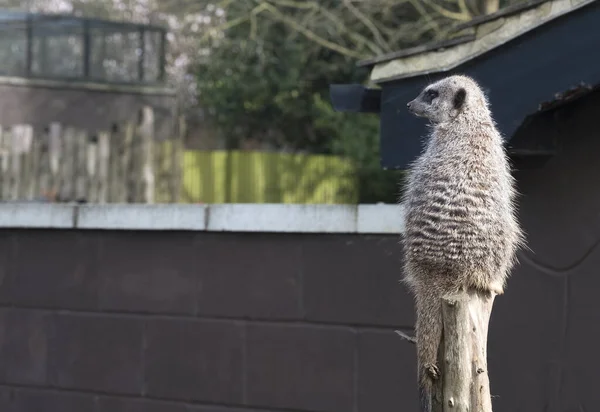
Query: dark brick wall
pixel 207 322
pixel 180 321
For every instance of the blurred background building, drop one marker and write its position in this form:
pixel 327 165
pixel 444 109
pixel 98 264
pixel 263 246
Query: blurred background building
pixel 236 96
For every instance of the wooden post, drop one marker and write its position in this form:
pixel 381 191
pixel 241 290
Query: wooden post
pixel 45 175
pixel 15 162
pixel 36 161
pixel 91 165
pixel 127 164
pixel 177 148
pixel 102 169
pixel 3 162
pixel 81 175
pixel 55 155
pixel 465 385
pixel 147 157
pixel 114 182
pixel 67 165
pixel 26 174
pixel 161 170
pixel 6 158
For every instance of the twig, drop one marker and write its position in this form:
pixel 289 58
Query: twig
pixel 462 16
pixel 404 336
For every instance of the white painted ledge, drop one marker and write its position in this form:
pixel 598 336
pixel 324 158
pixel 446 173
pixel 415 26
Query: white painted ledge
pixel 275 218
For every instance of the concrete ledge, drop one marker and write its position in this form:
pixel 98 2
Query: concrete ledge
pixel 142 217
pixel 276 218
pixel 37 215
pixel 282 218
pixel 380 219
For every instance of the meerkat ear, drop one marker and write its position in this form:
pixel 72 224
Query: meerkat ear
pixel 459 98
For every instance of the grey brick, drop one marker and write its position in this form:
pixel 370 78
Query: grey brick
pixel 31 400
pixel 300 367
pixel 355 280
pixel 216 408
pixel 53 269
pixel 23 346
pixel 255 276
pixel 99 353
pixel 386 373
pixel 6 399
pixel 148 272
pixel 7 258
pixel 111 404
pixel 194 360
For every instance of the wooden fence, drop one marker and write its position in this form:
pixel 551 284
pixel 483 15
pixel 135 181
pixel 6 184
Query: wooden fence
pixel 60 163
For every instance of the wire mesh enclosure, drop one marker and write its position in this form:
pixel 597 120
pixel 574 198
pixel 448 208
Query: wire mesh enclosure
pixel 74 48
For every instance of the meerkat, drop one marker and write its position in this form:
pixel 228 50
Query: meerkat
pixel 461 227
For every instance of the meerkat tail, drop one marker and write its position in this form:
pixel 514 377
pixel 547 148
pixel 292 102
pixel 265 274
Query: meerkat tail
pixel 425 397
pixel 429 335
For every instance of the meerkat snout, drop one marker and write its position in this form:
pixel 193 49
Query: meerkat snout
pixel 414 109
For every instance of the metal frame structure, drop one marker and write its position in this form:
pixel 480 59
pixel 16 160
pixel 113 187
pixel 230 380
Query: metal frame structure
pixel 35 30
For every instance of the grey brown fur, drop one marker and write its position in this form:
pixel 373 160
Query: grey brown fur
pixel 461 229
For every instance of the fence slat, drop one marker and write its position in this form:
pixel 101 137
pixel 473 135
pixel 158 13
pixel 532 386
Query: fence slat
pixel 161 185
pixel 15 162
pixel 3 162
pixel 129 163
pixel 55 155
pixel 67 164
pixel 26 153
pixel 36 158
pixel 103 159
pixel 45 175
pixel 91 166
pixel 7 165
pixel 81 177
pixel 177 158
pixel 147 178
pixel 114 163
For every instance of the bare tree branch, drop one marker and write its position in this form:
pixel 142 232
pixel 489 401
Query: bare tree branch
pixel 464 15
pixel 369 24
pixel 312 36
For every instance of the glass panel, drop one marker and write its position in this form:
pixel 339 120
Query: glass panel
pixel 57 48
pixel 13 48
pixel 114 56
pixel 152 58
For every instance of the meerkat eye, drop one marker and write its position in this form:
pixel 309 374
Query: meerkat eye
pixel 431 94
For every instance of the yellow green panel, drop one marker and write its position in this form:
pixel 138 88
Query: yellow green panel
pixel 262 177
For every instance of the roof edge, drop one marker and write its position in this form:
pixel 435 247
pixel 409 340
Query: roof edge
pixel 429 46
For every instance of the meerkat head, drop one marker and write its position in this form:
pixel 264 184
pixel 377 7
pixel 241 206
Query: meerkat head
pixel 445 99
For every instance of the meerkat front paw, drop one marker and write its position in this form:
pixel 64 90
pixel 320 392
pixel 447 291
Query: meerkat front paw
pixel 432 371
pixel 497 288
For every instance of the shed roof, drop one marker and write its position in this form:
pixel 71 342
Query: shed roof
pixel 469 40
